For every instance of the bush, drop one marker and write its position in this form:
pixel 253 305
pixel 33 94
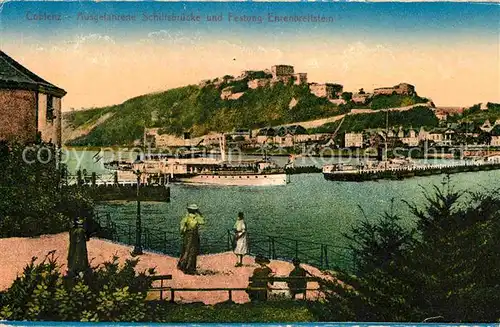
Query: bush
pixel 31 199
pixel 413 118
pixel 448 268
pixel 394 101
pixel 108 293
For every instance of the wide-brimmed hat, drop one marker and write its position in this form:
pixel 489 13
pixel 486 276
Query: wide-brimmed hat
pixel 192 207
pixel 296 261
pixel 80 221
pixel 261 260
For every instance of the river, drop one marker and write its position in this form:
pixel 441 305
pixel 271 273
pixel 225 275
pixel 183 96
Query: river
pixel 309 208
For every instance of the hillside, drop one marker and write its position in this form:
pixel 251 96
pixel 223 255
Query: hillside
pixel 479 115
pixel 413 118
pixel 218 105
pixel 200 110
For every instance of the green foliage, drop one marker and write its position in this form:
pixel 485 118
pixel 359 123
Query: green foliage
pixel 31 200
pixel 449 268
pixel 478 116
pixel 200 110
pixel 239 86
pixel 376 243
pixel 271 311
pixel 86 117
pixel 108 293
pixel 395 100
pixel 414 118
pixel 347 96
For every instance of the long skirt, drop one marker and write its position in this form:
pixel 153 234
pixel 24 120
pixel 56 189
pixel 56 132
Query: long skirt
pixel 189 253
pixel 241 247
pixel 78 260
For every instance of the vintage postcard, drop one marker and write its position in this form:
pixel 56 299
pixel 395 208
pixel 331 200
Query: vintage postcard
pixel 249 162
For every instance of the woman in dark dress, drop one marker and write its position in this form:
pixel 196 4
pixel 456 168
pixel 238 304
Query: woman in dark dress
pixel 78 261
pixel 190 239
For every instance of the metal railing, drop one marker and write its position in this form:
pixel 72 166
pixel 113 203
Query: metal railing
pixel 318 254
pixel 321 255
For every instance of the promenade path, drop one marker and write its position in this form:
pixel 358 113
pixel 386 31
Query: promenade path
pixel 215 270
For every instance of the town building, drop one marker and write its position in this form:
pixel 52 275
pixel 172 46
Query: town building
pixel 155 139
pixel 213 139
pixel 442 113
pixel 495 136
pixel 436 135
pixel 288 136
pixel 401 89
pixel 448 137
pixel 266 135
pixel 410 137
pixel 30 107
pixel 241 134
pixel 326 90
pixel 353 140
pixel 486 126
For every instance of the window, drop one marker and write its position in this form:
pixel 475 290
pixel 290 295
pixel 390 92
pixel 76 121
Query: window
pixel 50 108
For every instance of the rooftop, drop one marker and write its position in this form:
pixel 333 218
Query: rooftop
pixel 13 75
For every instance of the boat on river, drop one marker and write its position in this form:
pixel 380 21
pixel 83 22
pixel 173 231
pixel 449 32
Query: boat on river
pixel 211 171
pixel 203 170
pixel 401 169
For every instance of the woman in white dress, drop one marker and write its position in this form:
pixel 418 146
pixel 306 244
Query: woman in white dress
pixel 240 236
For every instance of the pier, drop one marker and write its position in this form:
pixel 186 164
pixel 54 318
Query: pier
pixel 362 175
pixel 101 189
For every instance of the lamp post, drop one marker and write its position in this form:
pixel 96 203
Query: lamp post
pixel 138 226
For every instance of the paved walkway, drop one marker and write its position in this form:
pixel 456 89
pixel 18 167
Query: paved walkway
pixel 215 270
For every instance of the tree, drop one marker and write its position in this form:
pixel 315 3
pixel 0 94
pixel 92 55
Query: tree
pixel 448 267
pixel 347 96
pixel 484 138
pixel 32 201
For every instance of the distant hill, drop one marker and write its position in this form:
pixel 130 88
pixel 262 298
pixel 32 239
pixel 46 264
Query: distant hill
pixel 199 110
pixel 203 108
pixel 480 113
pixel 420 116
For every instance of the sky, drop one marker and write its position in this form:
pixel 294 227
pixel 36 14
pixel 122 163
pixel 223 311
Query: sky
pixel 449 51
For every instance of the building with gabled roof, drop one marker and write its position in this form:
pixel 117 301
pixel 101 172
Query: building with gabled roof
pixel 30 107
pixel 495 136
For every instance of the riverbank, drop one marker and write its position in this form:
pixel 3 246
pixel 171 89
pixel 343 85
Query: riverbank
pixel 215 270
pixel 131 152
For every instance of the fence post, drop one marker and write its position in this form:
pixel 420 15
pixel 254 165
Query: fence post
pixel 165 241
pixel 161 289
pixel 326 256
pixel 274 248
pixel 172 295
pixel 321 257
pixel 228 240
pixel 269 250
